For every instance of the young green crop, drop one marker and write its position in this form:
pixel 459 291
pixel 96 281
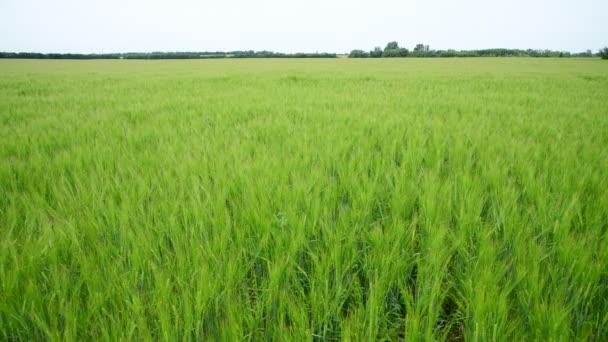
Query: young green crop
pixel 304 200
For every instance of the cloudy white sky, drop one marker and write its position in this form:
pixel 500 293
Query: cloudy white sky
pixel 89 26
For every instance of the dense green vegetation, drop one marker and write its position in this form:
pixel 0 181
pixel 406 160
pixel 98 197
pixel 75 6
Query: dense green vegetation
pixel 166 55
pixel 392 49
pixel 336 199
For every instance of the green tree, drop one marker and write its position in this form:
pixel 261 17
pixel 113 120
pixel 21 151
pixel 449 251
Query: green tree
pixel 391 46
pixel 400 52
pixel 604 53
pixel 376 53
pixel 358 54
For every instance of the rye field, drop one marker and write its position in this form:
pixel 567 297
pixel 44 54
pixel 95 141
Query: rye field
pixel 301 200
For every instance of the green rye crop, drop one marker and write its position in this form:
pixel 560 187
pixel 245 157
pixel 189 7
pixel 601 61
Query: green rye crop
pixel 415 199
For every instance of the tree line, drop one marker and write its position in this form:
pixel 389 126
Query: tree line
pixel 166 55
pixel 392 49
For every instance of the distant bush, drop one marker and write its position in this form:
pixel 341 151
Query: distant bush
pixel 604 53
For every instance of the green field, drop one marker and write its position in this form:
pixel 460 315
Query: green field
pixel 416 199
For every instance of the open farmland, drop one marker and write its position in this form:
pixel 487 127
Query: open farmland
pixel 341 199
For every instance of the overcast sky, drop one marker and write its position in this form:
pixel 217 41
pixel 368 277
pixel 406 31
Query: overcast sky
pixel 89 26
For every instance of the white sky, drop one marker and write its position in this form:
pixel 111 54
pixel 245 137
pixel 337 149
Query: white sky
pixel 90 26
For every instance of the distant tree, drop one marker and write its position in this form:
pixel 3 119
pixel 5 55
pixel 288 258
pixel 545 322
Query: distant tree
pixel 400 52
pixel 376 53
pixel 390 53
pixel 421 47
pixel 358 54
pixel 391 46
pixel 604 53
pixel 392 49
pixel 587 53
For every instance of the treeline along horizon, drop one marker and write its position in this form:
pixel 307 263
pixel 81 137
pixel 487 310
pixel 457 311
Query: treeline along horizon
pixel 166 55
pixel 392 49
